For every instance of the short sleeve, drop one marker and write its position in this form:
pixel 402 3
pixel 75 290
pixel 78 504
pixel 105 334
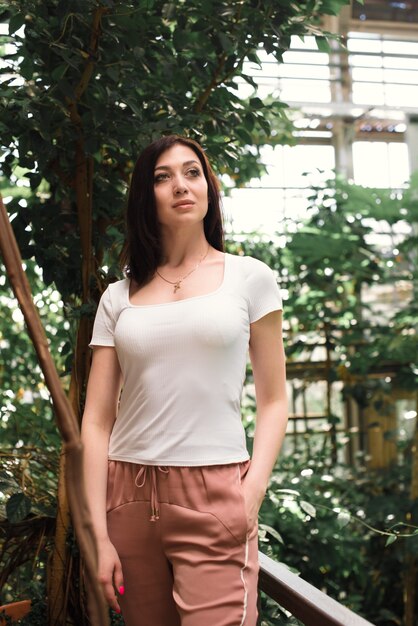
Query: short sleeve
pixel 262 290
pixel 104 323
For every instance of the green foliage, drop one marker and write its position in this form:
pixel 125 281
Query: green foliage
pixel 100 80
pixel 18 507
pixel 26 417
pixel 30 442
pixel 38 615
pixel 28 485
pixel 350 215
pixel 327 265
pixel 339 542
pixel 271 614
pixel 340 526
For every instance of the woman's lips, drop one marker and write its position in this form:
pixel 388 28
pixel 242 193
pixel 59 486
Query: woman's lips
pixel 183 203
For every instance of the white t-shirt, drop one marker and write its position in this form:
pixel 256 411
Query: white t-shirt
pixel 183 365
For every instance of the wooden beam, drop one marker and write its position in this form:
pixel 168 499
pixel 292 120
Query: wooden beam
pixel 316 370
pixel 303 600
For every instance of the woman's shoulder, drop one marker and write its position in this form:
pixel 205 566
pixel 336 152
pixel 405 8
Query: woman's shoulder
pixel 119 286
pixel 248 265
pixel 260 286
pixel 117 291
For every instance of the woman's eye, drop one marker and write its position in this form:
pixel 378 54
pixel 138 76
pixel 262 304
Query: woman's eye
pixel 194 172
pixel 160 177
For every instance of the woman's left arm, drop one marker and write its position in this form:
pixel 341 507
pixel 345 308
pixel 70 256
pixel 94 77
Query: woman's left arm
pixel 269 371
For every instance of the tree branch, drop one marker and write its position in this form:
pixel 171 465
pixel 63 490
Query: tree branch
pixel 213 83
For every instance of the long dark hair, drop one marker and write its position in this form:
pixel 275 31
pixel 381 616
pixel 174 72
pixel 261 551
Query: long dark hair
pixel 142 251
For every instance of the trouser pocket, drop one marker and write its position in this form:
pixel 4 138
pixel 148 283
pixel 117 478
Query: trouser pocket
pixel 226 497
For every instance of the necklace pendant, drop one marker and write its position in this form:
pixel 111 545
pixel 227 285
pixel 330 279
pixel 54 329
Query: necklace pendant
pixel 176 286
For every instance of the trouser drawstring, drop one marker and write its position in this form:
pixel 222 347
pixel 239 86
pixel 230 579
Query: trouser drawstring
pixel 142 474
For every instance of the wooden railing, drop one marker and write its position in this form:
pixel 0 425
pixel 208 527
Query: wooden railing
pixel 10 613
pixel 307 603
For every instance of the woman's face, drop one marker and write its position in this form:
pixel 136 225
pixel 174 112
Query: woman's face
pixel 180 187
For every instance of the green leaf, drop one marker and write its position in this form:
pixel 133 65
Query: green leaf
pixel 253 57
pixel 113 73
pixel 343 518
pixel 134 106
pixel 16 22
pixel 26 68
pixel 390 539
pixel 323 44
pixel 256 103
pixel 287 492
pixel 307 508
pixel 7 482
pixel 59 71
pixel 18 507
pixel 226 43
pixel 273 532
pixel 332 7
pixel 244 135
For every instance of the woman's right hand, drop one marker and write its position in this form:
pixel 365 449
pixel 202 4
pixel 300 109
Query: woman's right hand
pixel 110 573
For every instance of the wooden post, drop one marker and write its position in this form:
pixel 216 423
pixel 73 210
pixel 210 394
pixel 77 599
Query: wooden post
pixel 380 422
pixel 65 416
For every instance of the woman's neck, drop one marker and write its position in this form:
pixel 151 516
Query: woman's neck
pixel 183 250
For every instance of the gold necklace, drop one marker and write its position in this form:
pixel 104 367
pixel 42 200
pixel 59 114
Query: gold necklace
pixel 177 283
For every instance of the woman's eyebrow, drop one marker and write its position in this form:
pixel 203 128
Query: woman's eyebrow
pixel 167 167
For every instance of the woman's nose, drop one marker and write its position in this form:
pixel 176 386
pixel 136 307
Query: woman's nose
pixel 179 185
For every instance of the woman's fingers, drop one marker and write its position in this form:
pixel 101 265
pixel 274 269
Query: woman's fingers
pixel 252 502
pixel 110 575
pixel 118 578
pixel 106 582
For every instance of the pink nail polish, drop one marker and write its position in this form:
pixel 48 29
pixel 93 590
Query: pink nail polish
pixel 117 611
pixel 121 590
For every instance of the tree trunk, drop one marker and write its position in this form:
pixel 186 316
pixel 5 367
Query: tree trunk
pixel 61 566
pixel 58 566
pixel 83 183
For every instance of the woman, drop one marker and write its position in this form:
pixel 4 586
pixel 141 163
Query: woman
pixel 173 494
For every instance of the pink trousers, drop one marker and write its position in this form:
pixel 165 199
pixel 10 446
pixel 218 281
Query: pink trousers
pixel 181 533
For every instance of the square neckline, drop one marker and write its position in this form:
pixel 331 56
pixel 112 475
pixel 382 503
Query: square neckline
pixel 203 295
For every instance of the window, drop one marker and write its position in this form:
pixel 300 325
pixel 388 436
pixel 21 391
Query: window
pixel 380 164
pixel 383 71
pixel 354 101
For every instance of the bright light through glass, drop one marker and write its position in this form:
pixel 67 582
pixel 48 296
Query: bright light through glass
pixel 410 415
pixel 390 164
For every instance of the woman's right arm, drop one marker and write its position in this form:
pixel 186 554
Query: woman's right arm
pixel 103 390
